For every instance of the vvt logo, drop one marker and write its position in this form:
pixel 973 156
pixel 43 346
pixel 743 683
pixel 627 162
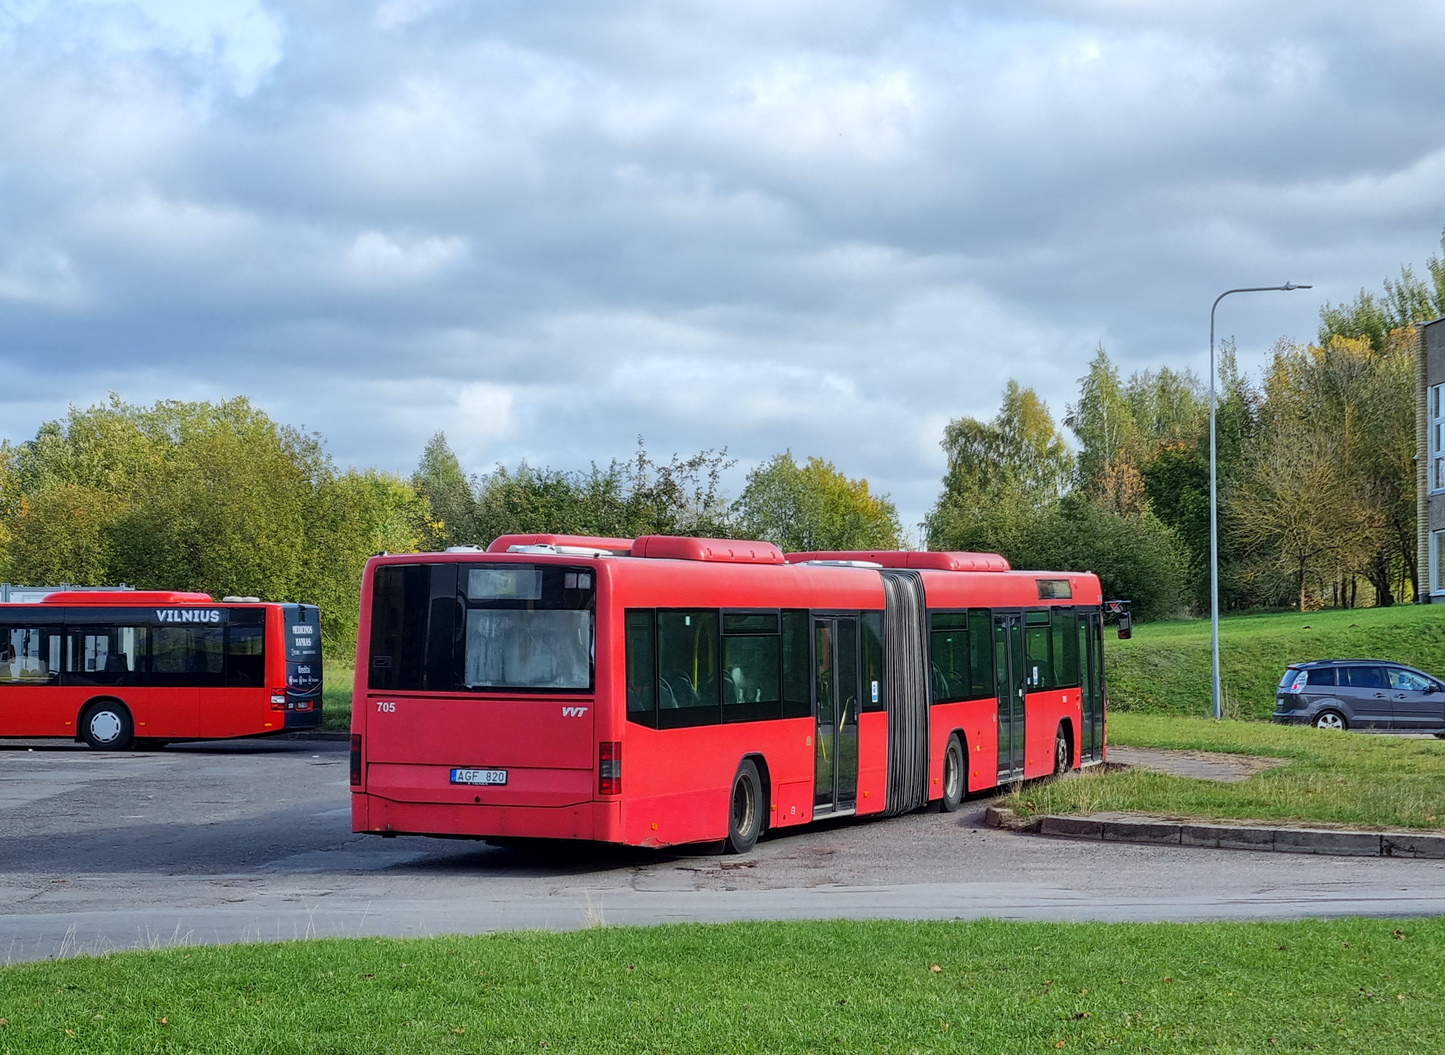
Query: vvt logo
pixel 573 712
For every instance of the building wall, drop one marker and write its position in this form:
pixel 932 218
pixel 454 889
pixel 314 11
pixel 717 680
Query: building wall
pixel 1431 506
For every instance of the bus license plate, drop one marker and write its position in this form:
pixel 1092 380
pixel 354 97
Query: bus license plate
pixel 479 776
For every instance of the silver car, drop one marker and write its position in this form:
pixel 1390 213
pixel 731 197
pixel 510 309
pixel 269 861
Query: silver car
pixel 1369 694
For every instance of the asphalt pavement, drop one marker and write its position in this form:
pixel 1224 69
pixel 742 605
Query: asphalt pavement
pixel 251 841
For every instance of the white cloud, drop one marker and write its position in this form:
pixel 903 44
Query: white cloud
pixel 549 228
pixel 374 257
pixel 39 276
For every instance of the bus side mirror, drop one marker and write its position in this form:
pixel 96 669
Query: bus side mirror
pixel 1126 626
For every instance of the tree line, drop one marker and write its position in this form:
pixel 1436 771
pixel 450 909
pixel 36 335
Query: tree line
pixel 1315 464
pixel 1315 468
pixel 219 498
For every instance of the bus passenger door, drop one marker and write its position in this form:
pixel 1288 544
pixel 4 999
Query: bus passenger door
pixel 835 705
pixel 1010 676
pixel 1091 677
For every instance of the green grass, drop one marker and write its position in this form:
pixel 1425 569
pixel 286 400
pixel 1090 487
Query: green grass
pixel 1165 667
pixel 1353 779
pixel 336 694
pixel 979 987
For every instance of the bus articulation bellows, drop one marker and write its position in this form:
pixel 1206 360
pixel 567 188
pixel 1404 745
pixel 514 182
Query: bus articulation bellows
pixel 668 690
pixel 113 668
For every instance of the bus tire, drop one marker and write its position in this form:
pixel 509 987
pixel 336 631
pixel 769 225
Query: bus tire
pixel 745 809
pixel 1063 754
pixel 953 782
pixel 107 726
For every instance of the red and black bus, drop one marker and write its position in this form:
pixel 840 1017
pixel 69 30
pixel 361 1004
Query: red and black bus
pixel 670 690
pixel 119 667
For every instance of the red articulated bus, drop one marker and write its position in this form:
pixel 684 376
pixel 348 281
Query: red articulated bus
pixel 118 668
pixel 669 690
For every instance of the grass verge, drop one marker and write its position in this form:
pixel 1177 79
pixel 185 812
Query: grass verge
pixel 336 678
pixel 978 986
pixel 1353 779
pixel 1165 667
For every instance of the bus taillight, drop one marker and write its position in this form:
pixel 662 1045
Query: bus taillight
pixel 278 699
pixel 609 767
pixel 356 760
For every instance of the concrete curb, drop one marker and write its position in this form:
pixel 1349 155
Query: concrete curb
pixel 1120 828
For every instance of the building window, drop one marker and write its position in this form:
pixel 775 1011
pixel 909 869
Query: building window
pixel 1437 437
pixel 1437 565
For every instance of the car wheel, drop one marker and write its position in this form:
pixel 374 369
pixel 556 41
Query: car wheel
pixel 952 776
pixel 745 811
pixel 107 727
pixel 1330 720
pixel 1062 755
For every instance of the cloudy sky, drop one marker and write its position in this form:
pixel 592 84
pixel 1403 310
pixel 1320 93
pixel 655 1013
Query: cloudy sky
pixel 549 226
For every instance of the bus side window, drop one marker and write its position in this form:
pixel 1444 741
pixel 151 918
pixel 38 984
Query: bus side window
pixel 105 655
pixel 1036 648
pixel 874 693
pixel 641 668
pixel 948 656
pixel 797 666
pixel 687 666
pixel 980 653
pixel 245 663
pixel 187 655
pixel 752 667
pixel 28 655
pixel 1066 649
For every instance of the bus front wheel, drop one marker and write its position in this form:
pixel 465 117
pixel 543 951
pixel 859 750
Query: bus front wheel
pixel 745 810
pixel 107 726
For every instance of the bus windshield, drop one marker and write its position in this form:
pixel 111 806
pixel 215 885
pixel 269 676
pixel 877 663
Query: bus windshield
pixel 458 627
pixel 524 629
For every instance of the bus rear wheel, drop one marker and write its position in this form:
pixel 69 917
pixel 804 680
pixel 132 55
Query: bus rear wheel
pixel 745 811
pixel 1063 757
pixel 952 776
pixel 107 726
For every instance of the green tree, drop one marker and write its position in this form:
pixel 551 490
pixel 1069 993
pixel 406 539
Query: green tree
pixel 1001 474
pixel 623 500
pixel 452 506
pixel 229 504
pixel 814 507
pixel 1137 558
pixel 199 496
pixel 1298 506
pixel 1103 423
pixel 356 515
pixel 1406 301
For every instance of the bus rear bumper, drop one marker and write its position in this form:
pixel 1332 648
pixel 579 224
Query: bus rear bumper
pixel 303 719
pixel 593 821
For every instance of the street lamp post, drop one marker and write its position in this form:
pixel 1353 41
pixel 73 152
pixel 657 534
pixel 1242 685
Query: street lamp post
pixel 1214 493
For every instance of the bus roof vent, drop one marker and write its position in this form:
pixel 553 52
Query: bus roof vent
pixel 241 600
pixel 468 548
pixel 120 598
pixel 838 563
pixel 929 559
pixel 570 545
pixel 723 550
